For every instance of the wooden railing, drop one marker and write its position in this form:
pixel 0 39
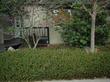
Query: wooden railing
pixel 39 31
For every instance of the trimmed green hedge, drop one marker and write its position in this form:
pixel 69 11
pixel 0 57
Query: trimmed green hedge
pixel 47 64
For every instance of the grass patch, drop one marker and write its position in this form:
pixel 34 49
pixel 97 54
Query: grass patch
pixel 48 64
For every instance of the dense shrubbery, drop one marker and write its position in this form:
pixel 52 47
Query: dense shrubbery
pixel 77 32
pixel 46 64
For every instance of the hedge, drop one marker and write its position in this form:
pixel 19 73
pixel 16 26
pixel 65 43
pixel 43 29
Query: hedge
pixel 49 64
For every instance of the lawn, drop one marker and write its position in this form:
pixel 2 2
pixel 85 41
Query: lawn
pixel 48 64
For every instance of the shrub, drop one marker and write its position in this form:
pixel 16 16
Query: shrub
pixel 77 32
pixel 49 64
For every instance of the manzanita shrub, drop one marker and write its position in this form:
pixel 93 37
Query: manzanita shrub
pixel 77 32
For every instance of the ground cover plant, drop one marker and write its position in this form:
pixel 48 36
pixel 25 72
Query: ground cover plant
pixel 52 63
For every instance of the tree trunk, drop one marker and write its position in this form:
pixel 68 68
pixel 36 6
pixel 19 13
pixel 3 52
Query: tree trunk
pixel 36 43
pixel 93 33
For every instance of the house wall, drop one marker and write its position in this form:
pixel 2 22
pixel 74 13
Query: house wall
pixel 55 37
pixel 36 16
pixel 40 18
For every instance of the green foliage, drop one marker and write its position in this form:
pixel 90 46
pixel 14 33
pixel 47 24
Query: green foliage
pixel 47 64
pixel 9 29
pixel 11 7
pixel 102 29
pixel 77 32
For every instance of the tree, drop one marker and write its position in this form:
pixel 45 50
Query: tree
pixel 32 16
pixel 96 7
pixel 11 7
pixel 26 34
pixel 93 8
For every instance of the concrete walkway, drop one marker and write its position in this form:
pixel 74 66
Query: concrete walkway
pixel 95 80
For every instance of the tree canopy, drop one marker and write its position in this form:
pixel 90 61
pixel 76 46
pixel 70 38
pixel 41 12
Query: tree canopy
pixel 10 7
